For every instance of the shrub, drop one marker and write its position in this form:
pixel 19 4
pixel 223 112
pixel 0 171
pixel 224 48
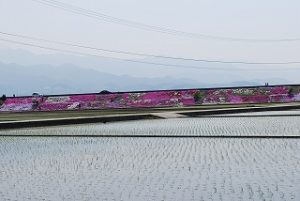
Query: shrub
pixel 2 99
pixel 105 92
pixel 198 97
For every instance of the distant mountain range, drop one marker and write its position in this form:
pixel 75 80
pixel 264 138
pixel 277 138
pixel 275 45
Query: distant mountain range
pixel 23 73
pixel 20 80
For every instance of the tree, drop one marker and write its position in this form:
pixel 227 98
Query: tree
pixel 198 97
pixel 2 99
pixel 105 92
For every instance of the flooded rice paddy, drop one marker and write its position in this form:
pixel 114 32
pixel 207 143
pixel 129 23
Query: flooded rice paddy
pixel 87 168
pixel 263 124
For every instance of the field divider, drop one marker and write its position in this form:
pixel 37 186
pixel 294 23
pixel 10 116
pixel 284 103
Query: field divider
pixel 196 113
pixel 73 121
pixel 141 116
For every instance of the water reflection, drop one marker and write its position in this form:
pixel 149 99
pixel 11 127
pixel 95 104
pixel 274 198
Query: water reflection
pixel 149 169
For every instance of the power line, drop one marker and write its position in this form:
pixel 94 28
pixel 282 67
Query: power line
pixel 130 60
pixel 126 60
pixel 148 55
pixel 147 27
pixel 114 58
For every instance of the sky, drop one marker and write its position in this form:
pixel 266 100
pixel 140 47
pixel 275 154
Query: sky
pixel 255 19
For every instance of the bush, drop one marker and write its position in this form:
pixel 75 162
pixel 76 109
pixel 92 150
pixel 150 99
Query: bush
pixel 198 97
pixel 104 92
pixel 2 99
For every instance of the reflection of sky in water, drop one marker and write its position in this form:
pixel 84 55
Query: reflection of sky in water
pixel 246 126
pixel 156 168
pixel 149 169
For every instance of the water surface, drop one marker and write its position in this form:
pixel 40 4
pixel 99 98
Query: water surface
pixel 82 168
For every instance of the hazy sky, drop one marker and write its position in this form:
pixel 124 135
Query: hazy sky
pixel 255 19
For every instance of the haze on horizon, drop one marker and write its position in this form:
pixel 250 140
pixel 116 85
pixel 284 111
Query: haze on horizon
pixel 255 19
